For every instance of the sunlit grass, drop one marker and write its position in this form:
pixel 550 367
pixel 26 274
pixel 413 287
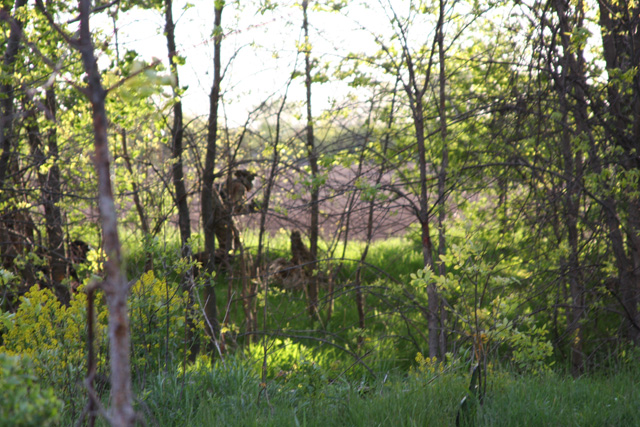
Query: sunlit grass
pixel 413 401
pixel 232 394
pixel 311 382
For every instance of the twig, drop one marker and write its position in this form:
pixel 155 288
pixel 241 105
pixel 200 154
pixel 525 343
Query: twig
pixel 211 329
pixel 351 366
pixel 132 75
pixel 94 405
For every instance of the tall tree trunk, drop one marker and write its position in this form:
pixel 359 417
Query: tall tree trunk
pixel 572 71
pixel 312 156
pixel 7 94
pixel 177 136
pixel 50 196
pixel 416 99
pixel 572 265
pixel 16 226
pixel 115 285
pixel 51 200
pixel 208 211
pixel 416 94
pixel 442 178
pixel 427 246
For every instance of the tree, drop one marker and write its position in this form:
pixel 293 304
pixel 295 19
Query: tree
pixel 209 197
pixel 16 232
pixel 177 133
pixel 621 50
pixel 6 89
pixel 409 66
pixel 312 156
pixel 599 133
pixel 51 192
pixel 566 149
pixel 115 285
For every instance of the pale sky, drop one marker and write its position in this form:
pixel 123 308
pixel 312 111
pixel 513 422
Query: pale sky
pixel 265 47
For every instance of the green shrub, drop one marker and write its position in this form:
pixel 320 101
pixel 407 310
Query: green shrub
pixel 492 320
pixel 158 313
pixel 282 356
pixel 23 402
pixel 52 336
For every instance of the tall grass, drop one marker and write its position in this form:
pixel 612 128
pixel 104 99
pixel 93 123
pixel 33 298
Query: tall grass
pixel 316 384
pixel 554 399
pixel 231 394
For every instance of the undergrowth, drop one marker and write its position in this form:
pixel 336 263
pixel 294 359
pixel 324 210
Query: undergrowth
pixel 231 393
pixel 320 370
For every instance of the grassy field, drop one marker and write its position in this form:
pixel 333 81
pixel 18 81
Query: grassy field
pixel 232 395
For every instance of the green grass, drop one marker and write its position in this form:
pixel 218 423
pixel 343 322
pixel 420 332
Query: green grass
pixel 393 257
pixel 315 384
pixel 230 394
pixel 562 401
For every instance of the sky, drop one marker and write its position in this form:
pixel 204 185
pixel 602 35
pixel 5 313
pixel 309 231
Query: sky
pixel 258 49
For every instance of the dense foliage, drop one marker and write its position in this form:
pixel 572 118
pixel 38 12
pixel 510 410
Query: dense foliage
pixel 457 188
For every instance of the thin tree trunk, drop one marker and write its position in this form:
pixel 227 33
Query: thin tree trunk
pixel 573 176
pixel 6 90
pixel 177 136
pixel 572 266
pixel 51 199
pixel 357 283
pixel 427 246
pixel 416 95
pixel 115 285
pixel 16 231
pixel 50 196
pixel 208 211
pixel 313 163
pixel 442 179
pixel 415 92
pixel 144 222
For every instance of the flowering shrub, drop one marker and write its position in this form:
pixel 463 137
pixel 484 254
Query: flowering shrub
pixel 159 321
pixel 51 335
pixel 427 366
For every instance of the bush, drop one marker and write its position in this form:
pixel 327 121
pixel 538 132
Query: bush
pixel 52 336
pixel 159 322
pixel 23 402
